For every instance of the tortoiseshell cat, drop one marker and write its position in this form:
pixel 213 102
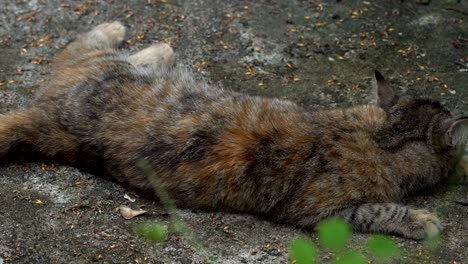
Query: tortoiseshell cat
pixel 215 149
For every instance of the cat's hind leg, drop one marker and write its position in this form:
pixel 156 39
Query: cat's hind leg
pixel 159 54
pixel 86 57
pixel 100 42
pixel 107 35
pixel 393 218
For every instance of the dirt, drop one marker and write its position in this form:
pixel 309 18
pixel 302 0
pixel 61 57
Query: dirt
pixel 319 54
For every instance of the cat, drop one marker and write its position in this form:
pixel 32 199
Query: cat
pixel 219 150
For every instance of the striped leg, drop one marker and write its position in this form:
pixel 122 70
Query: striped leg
pixel 393 219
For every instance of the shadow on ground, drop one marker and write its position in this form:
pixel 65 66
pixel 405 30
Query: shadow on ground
pixel 319 54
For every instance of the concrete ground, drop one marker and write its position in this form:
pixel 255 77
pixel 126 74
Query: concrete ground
pixel 319 54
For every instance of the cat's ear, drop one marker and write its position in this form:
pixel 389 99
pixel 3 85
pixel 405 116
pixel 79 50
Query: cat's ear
pixel 386 97
pixel 456 132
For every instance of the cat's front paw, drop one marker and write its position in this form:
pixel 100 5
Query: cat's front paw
pixel 421 224
pixel 109 34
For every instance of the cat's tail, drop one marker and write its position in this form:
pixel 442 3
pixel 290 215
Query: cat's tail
pixel 17 128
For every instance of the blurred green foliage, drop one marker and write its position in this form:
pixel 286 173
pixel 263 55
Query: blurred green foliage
pixel 333 235
pixel 153 231
pixel 303 251
pixel 383 248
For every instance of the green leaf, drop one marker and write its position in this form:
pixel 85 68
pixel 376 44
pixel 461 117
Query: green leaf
pixel 303 251
pixel 177 226
pixel 432 243
pixel 457 175
pixel 352 258
pixel 383 248
pixel 156 232
pixel 334 233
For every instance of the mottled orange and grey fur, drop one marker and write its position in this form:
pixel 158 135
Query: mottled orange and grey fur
pixel 215 149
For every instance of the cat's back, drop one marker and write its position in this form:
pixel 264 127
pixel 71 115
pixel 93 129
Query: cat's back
pixel 109 88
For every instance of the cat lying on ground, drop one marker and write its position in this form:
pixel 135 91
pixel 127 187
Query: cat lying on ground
pixel 216 149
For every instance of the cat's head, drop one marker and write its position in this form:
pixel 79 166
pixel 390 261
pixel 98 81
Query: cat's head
pixel 422 120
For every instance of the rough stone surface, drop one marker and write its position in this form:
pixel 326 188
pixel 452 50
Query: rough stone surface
pixel 319 54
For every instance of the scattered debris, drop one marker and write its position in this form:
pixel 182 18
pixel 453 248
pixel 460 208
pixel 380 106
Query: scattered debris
pixel 126 196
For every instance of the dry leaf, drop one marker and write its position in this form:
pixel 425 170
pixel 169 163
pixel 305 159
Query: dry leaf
pixel 129 213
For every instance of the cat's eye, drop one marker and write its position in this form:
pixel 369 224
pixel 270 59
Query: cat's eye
pixel 396 114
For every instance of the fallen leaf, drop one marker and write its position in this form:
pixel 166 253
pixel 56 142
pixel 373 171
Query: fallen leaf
pixel 129 213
